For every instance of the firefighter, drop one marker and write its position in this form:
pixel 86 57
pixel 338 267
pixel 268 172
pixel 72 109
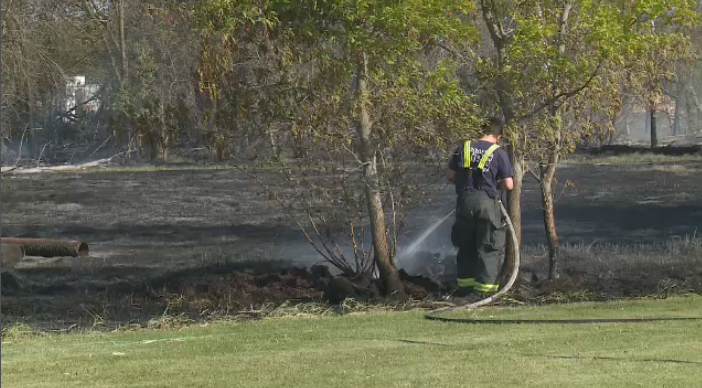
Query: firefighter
pixel 481 171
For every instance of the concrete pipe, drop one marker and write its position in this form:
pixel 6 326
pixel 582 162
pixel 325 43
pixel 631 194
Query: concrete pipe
pixel 10 255
pixel 49 248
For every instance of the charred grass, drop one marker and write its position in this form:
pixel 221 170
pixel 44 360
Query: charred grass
pixel 611 271
pixel 183 246
pixel 70 299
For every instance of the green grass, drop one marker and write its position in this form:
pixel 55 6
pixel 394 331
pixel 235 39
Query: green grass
pixel 380 349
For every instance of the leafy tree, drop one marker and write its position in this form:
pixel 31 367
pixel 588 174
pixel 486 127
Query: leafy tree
pixel 361 89
pixel 663 48
pixel 28 72
pixel 550 55
pixel 163 105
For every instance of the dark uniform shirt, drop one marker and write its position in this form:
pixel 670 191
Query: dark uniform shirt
pixel 497 168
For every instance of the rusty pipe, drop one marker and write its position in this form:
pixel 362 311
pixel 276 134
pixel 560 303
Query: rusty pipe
pixel 49 248
pixel 10 255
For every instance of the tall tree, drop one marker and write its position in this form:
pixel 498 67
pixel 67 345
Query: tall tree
pixel 30 75
pixel 547 55
pixel 123 41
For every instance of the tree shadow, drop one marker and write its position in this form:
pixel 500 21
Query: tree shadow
pixel 618 359
pixel 622 222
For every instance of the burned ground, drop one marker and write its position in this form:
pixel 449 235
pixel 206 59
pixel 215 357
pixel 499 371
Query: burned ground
pixel 208 242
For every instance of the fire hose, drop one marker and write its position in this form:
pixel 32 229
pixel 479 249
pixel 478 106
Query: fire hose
pixel 514 262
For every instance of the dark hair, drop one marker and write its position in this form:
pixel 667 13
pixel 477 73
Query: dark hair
pixel 493 126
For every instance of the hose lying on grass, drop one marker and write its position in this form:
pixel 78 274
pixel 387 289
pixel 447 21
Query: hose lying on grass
pixel 514 261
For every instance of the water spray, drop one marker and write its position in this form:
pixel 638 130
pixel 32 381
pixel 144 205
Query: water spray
pixel 412 249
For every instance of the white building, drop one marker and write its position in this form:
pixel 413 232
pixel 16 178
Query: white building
pixel 80 96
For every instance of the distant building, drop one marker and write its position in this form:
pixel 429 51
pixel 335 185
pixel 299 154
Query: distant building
pixel 80 96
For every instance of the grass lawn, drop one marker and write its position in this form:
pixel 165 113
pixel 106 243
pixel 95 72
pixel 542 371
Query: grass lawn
pixel 381 349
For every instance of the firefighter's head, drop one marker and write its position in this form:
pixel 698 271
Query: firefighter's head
pixel 493 126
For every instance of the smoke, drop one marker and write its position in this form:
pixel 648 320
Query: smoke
pixel 11 151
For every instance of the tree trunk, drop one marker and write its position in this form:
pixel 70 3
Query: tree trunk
pixel 514 208
pixel 514 202
pixel 654 132
pixel 164 148
pixel 676 113
pixel 383 260
pixel 550 171
pixel 625 115
pixel 547 201
pixel 647 122
pixel 273 142
pixel 164 136
pixel 689 112
pixel 123 43
pixel 504 94
pixel 514 197
pixel 31 138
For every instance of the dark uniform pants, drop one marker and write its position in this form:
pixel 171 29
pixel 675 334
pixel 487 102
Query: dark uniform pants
pixel 479 234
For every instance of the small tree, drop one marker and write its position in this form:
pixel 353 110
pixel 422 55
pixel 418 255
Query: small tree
pixel 162 105
pixel 662 48
pixel 364 92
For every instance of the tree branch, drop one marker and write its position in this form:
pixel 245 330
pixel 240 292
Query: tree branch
pixel 492 24
pixel 454 52
pixel 567 94
pixel 538 179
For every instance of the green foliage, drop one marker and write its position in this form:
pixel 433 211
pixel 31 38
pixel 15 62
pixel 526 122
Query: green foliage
pixel 557 69
pixel 658 55
pixel 158 102
pixel 302 59
pixel 155 123
pixel 311 53
pixel 562 58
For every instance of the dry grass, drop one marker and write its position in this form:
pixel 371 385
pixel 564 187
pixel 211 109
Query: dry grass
pixel 598 271
pixel 677 169
pixel 633 158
